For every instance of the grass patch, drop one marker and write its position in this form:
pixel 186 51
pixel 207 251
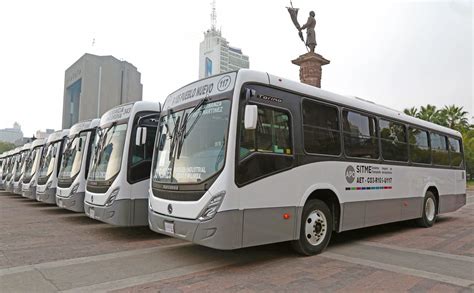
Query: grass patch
pixel 470 183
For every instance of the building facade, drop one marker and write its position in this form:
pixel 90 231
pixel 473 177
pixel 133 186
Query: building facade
pixel 95 84
pixel 12 135
pixel 217 56
pixel 43 134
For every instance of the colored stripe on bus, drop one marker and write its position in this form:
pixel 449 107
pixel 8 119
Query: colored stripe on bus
pixel 369 188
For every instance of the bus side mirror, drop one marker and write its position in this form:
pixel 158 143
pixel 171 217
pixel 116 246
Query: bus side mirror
pixel 140 138
pixel 251 116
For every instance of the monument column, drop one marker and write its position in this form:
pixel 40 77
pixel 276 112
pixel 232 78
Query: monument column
pixel 311 68
pixel 310 63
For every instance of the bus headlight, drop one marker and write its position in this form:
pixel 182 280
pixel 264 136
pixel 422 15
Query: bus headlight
pixel 48 186
pixel 32 183
pixel 74 189
pixel 211 209
pixel 112 197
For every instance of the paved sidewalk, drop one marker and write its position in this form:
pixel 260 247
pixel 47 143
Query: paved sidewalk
pixel 46 249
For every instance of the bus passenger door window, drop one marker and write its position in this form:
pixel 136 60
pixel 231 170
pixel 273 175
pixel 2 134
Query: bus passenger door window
pixel 141 156
pixel 268 148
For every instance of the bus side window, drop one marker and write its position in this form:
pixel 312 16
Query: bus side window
pixel 271 136
pixel 360 135
pixel 456 156
pixel 419 146
pixel 270 143
pixel 439 149
pixel 393 139
pixel 321 128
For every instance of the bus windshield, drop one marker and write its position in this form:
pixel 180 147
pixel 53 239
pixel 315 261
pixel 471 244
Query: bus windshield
pixel 108 154
pixel 20 165
pixel 32 162
pixel 190 146
pixel 48 160
pixel 72 156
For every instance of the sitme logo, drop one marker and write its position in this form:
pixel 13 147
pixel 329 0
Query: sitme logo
pixel 350 174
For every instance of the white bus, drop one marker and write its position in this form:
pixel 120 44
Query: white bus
pixel 32 163
pixel 75 165
pixel 119 178
pixel 20 168
pixel 247 158
pixel 49 166
pixel 3 163
pixel 10 171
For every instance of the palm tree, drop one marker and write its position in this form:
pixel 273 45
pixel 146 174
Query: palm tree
pixel 431 114
pixel 455 117
pixel 413 111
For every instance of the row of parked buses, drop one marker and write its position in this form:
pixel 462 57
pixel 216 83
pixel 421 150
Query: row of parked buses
pixel 247 158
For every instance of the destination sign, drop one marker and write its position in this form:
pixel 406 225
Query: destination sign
pixel 116 114
pixel 203 88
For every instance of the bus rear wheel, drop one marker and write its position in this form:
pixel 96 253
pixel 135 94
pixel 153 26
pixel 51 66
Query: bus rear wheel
pixel 430 211
pixel 315 229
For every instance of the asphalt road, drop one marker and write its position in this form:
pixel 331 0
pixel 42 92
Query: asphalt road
pixel 46 249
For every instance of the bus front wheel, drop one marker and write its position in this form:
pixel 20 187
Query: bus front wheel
pixel 315 229
pixel 430 211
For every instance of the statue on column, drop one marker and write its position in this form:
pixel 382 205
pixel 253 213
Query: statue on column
pixel 310 33
pixel 309 26
pixel 310 63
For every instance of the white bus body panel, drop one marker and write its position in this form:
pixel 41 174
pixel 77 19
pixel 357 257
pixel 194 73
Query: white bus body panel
pixel 29 188
pixel 64 198
pixel 25 151
pixel 47 192
pixel 254 213
pixel 130 207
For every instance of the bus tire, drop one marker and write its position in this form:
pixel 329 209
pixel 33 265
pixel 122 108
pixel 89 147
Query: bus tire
pixel 316 228
pixel 430 211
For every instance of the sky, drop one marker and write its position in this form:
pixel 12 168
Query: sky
pixel 397 53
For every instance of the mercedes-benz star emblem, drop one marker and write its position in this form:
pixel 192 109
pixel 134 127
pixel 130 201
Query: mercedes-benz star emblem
pixel 170 208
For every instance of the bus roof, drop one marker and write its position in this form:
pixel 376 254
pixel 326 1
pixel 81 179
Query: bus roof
pixel 83 125
pixel 352 102
pixel 123 112
pixel 58 135
pixel 38 142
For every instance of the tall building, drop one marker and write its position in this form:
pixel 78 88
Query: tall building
pixel 12 135
pixel 95 84
pixel 216 55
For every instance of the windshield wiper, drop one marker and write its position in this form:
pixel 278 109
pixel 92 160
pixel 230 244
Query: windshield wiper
pixel 104 143
pixel 174 137
pixel 183 133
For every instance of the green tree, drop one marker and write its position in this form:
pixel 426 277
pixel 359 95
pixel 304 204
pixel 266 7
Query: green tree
pixel 431 114
pixel 455 117
pixel 6 146
pixel 413 111
pixel 468 140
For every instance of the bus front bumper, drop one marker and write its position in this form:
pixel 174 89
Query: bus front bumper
pixel 17 189
pixel 8 187
pixel 29 192
pixel 123 212
pixel 73 203
pixel 47 196
pixel 224 231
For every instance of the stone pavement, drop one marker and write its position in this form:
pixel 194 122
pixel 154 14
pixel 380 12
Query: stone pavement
pixel 45 249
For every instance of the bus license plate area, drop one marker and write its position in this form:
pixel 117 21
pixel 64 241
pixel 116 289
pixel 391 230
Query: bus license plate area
pixel 169 227
pixel 91 213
